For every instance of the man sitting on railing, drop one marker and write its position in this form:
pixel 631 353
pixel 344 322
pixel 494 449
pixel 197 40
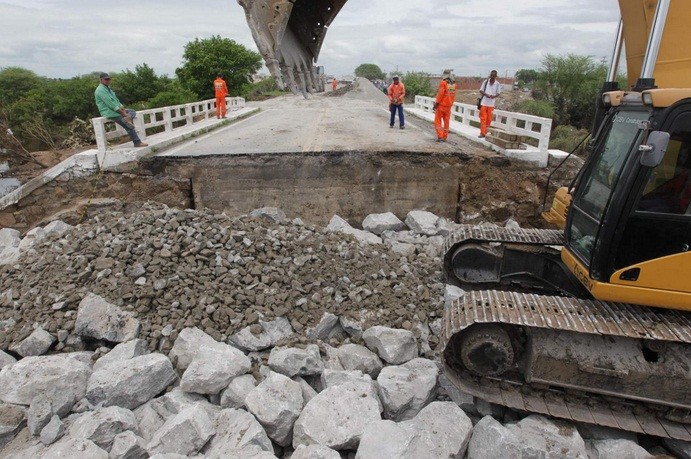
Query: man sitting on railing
pixel 110 107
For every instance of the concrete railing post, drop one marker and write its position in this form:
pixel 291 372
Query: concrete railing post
pixel 100 134
pixel 545 131
pixel 189 119
pixel 139 126
pixel 167 120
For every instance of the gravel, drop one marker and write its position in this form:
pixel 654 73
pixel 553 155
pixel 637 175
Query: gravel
pixel 177 268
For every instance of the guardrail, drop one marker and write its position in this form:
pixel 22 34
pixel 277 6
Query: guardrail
pixel 170 118
pixel 534 127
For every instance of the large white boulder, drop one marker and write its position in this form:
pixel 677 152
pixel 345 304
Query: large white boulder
pixel 422 222
pixel 97 318
pixel 617 449
pixel 393 345
pixel 30 377
pixel 336 417
pixel 441 429
pixel 234 395
pixel 75 448
pixel 534 436
pixel 213 367
pixel 271 333
pixel 378 223
pixel 296 362
pixel 186 346
pixel 339 225
pixel 123 351
pixel 103 425
pixel 153 414
pixel 357 357
pixel 37 343
pixel 276 403
pixel 404 390
pixel 130 383
pixel 185 433
pixel 236 430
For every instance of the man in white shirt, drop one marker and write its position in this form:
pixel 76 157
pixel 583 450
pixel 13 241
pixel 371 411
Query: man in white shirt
pixel 490 90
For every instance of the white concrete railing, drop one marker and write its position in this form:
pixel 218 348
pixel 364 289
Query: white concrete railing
pixel 171 118
pixel 534 127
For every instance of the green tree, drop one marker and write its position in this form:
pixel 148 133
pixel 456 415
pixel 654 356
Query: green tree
pixel 204 58
pixel 526 76
pixel 140 85
pixel 417 84
pixel 172 94
pixel 370 71
pixel 570 83
pixel 72 98
pixel 15 82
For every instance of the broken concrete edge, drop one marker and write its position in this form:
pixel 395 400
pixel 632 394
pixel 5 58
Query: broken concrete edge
pixel 80 164
pixel 530 155
pixel 126 157
pixel 87 162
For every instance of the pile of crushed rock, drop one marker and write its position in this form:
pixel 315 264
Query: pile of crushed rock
pixel 176 268
pixel 195 335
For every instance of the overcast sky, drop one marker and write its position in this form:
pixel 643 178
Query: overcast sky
pixel 65 38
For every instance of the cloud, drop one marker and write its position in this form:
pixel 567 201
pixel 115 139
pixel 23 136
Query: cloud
pixel 64 38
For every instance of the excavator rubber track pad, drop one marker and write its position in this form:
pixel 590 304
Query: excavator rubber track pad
pixel 466 233
pixel 569 314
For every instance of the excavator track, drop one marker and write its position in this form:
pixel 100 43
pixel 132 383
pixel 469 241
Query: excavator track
pixel 525 310
pixel 465 233
pixel 489 257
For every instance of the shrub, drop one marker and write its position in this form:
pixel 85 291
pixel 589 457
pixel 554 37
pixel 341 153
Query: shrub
pixel 261 90
pixel 417 84
pixel 566 138
pixel 171 96
pixel 533 107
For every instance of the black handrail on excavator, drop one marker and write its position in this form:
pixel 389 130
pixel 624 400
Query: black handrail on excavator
pixel 549 177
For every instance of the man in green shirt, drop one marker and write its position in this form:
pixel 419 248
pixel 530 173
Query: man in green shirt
pixel 110 107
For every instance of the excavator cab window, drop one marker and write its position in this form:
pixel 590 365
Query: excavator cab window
pixel 659 223
pixel 624 132
pixel 669 185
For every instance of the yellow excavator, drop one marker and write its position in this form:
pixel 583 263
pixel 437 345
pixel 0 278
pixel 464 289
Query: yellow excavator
pixel 592 322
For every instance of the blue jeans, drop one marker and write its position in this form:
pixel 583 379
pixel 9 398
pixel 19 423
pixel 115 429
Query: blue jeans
pixel 392 109
pixel 129 128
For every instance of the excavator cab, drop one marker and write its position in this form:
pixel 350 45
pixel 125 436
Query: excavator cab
pixel 628 229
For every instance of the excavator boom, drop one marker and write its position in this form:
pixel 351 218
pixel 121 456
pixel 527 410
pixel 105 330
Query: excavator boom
pixel 673 64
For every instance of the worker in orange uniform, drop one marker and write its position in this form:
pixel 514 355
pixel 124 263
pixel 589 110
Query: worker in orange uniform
pixel 490 90
pixel 396 95
pixel 221 93
pixel 334 84
pixel 446 96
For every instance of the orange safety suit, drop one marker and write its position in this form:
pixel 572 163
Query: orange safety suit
pixel 221 93
pixel 491 90
pixel 396 93
pixel 334 84
pixel 446 96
